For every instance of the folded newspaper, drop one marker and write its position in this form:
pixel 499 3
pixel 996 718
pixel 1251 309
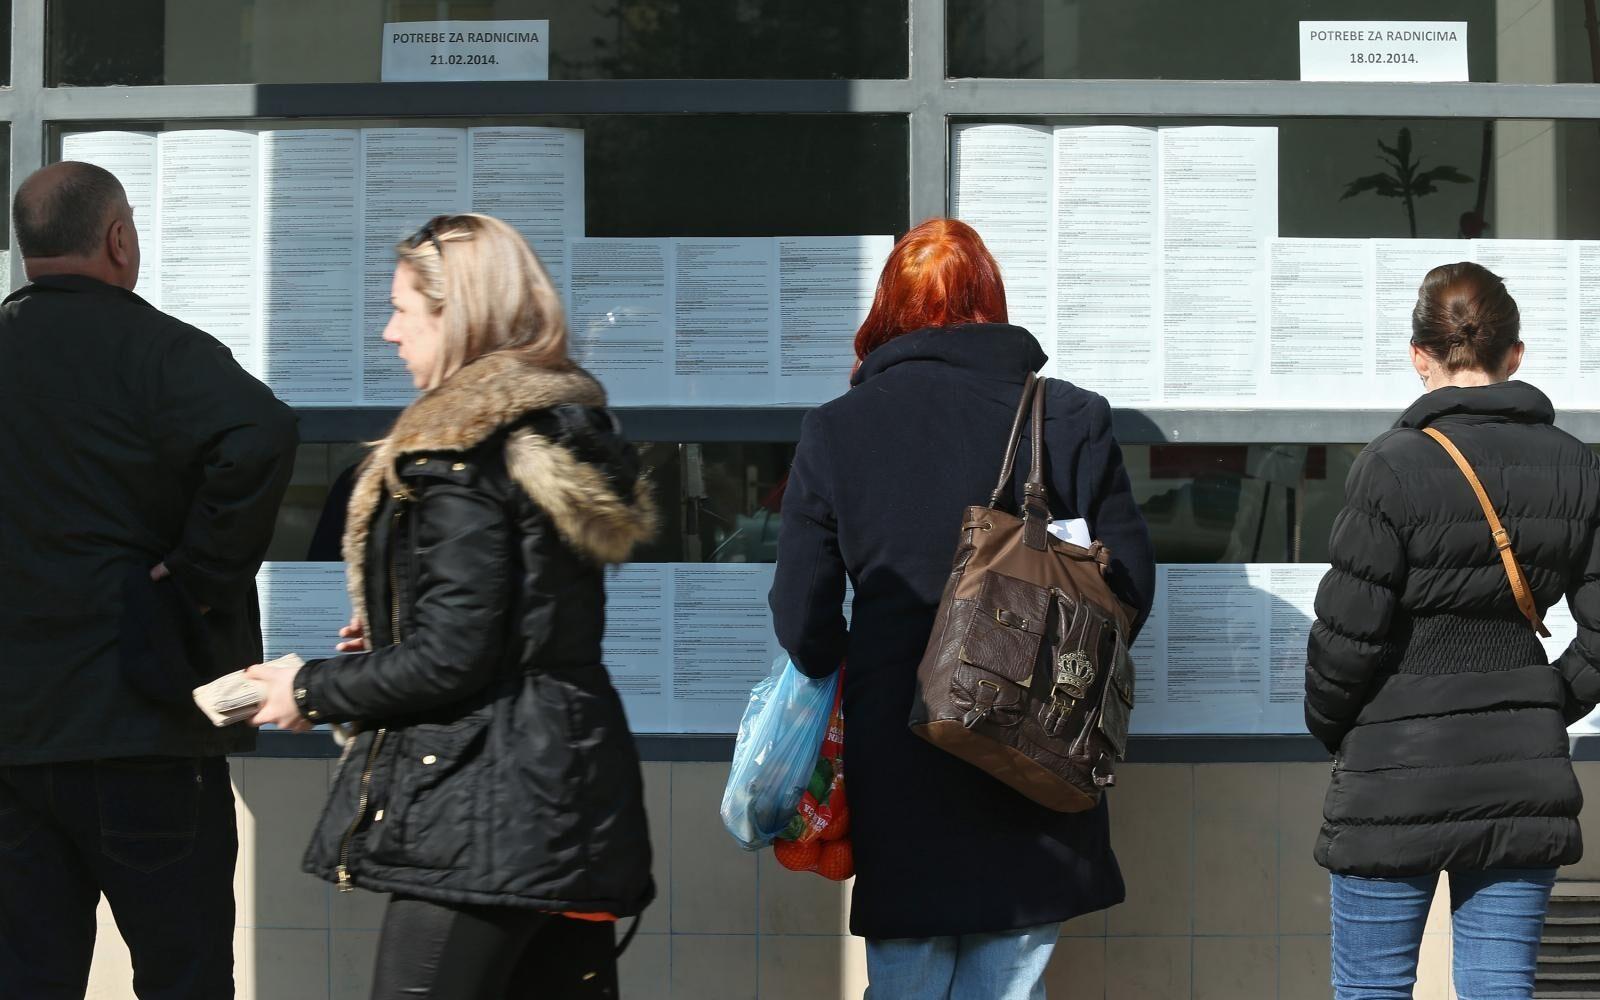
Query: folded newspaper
pixel 234 697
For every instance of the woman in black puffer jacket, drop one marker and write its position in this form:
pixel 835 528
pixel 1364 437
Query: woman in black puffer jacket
pixel 494 788
pixel 1446 720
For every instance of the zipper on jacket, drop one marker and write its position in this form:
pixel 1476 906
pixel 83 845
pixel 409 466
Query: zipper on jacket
pixel 343 871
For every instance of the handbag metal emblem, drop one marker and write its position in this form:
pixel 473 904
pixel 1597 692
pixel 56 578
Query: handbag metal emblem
pixel 1074 674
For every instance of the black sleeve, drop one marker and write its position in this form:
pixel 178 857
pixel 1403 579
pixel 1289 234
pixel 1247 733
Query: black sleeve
pixel 209 414
pixel 464 554
pixel 1114 518
pixel 1357 600
pixel 1580 663
pixel 808 588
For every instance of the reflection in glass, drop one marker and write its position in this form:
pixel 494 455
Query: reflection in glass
pixel 147 42
pixel 1248 39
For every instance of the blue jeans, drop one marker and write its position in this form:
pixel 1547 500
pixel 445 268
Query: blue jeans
pixel 1004 966
pixel 1495 917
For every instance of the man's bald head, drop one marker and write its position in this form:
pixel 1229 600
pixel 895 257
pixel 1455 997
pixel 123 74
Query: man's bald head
pixel 75 216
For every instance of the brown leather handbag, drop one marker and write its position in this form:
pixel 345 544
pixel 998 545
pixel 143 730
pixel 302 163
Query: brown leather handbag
pixel 1027 674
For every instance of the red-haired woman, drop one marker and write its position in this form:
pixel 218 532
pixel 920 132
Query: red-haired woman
pixel 961 883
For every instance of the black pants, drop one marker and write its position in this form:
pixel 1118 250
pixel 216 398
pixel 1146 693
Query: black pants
pixel 492 953
pixel 156 836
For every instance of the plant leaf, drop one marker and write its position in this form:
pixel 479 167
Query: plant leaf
pixel 1382 185
pixel 1405 145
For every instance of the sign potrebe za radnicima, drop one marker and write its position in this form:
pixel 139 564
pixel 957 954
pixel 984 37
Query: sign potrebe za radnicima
pixel 1407 51
pixel 444 51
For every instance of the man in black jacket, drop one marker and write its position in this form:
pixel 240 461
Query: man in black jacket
pixel 143 470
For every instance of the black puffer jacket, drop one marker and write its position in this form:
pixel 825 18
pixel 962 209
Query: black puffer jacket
pixel 495 765
pixel 1445 717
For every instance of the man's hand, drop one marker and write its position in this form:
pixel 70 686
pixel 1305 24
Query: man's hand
pixel 278 708
pixel 354 636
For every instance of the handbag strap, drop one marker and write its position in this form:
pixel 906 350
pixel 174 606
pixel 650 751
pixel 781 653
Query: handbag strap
pixel 1502 540
pixel 1035 505
pixel 1003 487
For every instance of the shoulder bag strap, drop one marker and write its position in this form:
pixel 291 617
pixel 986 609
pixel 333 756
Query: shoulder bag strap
pixel 1035 504
pixel 1003 487
pixel 1502 540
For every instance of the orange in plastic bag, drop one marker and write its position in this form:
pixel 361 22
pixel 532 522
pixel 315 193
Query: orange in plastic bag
pixel 816 840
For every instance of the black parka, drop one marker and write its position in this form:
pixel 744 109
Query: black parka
pixel 494 765
pixel 1446 719
pixel 880 478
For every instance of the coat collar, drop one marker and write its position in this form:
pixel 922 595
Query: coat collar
pixel 997 350
pixel 72 283
pixel 1502 402
pixel 597 515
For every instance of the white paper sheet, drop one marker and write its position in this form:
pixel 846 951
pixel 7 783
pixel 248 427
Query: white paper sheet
pixel 303 607
pixel 310 262
pixel 622 314
pixel 1539 274
pixel 638 643
pixel 1398 269
pixel 1107 293
pixel 208 227
pixel 1319 329
pixel 825 289
pixel 725 320
pixel 131 156
pixel 722 642
pixel 1219 206
pixel 1586 285
pixel 1001 184
pixel 532 178
pixel 409 175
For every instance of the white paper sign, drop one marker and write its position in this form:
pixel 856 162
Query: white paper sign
pixel 433 51
pixel 1384 50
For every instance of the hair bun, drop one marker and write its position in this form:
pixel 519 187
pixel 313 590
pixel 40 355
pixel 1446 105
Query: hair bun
pixel 1466 330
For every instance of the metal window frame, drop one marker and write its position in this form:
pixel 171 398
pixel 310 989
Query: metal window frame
pixel 929 100
pixel 927 97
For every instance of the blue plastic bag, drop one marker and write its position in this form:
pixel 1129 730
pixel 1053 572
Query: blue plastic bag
pixel 776 751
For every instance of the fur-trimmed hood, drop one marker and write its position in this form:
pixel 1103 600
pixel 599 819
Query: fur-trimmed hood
pixel 597 512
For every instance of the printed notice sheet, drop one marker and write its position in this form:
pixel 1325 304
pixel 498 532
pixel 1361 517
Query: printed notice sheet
pixel 310 259
pixel 750 321
pixel 206 236
pixel 531 178
pixel 686 642
pixel 303 607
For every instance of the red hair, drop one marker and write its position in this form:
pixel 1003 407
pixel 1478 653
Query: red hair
pixel 940 274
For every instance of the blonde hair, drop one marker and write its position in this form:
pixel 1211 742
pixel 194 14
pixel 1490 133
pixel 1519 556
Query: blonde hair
pixel 490 290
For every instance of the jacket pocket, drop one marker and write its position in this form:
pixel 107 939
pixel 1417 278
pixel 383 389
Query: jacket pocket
pixel 430 819
pixel 149 809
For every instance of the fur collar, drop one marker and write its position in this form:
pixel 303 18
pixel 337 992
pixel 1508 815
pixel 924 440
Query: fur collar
pixel 471 407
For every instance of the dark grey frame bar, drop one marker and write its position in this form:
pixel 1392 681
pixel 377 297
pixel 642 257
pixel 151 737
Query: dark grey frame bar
pixel 930 101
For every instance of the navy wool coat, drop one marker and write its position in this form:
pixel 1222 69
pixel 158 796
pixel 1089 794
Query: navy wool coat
pixel 880 478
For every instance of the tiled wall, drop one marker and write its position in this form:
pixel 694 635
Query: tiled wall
pixel 1223 899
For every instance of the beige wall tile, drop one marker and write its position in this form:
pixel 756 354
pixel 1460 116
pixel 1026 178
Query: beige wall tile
pixel 244 902
pixel 1236 849
pixel 111 973
pixel 285 799
pixel 357 910
pixel 809 968
pixel 658 806
pixel 1439 912
pixel 352 964
pixel 1589 780
pixel 291 964
pixel 1077 969
pixel 714 967
pixel 1147 968
pixel 713 880
pixel 1230 968
pixel 1302 883
pixel 1152 826
pixel 645 970
pixel 800 902
pixel 1305 968
pixel 1433 968
pixel 244 964
pixel 1089 925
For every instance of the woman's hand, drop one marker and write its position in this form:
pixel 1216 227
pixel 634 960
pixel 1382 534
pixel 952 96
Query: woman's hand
pixel 278 708
pixel 354 636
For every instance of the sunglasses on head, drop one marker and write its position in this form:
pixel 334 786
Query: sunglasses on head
pixel 426 233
